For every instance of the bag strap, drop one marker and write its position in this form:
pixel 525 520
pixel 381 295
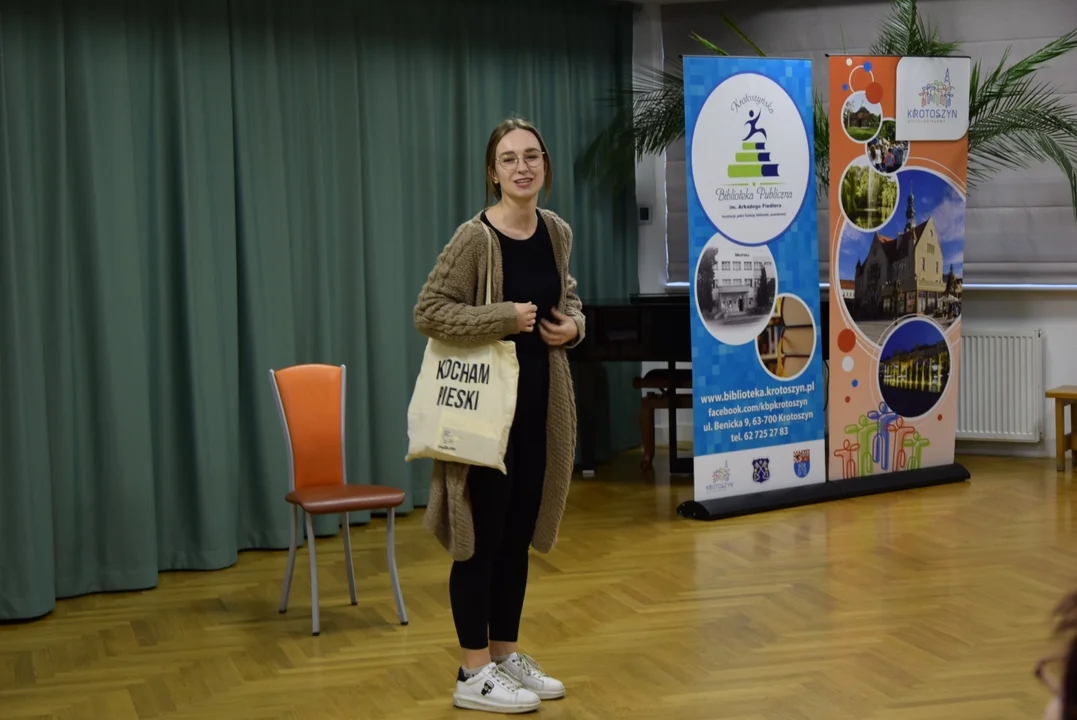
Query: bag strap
pixel 489 259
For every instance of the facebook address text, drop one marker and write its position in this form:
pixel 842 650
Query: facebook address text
pixel 759 413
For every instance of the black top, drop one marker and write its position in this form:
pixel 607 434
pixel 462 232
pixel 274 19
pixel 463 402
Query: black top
pixel 530 275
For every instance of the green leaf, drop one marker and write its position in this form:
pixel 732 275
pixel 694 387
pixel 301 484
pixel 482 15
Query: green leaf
pixel 649 118
pixel 821 123
pixel 903 32
pixel 741 34
pixel 708 44
pixel 1016 120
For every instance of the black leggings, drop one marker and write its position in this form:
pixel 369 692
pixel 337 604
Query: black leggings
pixel 487 590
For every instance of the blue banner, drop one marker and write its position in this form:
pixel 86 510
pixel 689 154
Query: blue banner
pixel 757 361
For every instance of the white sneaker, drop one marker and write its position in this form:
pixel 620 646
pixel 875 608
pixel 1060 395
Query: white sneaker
pixel 528 673
pixel 493 690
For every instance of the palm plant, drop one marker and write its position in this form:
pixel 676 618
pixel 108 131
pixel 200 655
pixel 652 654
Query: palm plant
pixel 1014 119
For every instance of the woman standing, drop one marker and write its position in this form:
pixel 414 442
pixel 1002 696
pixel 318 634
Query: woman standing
pixel 487 520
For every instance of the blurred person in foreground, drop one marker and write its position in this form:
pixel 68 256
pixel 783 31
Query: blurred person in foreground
pixel 1059 672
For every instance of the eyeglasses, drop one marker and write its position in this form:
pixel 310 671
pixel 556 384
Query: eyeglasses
pixel 532 158
pixel 1049 671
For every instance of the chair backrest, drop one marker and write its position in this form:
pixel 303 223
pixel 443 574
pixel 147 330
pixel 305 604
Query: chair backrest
pixel 310 400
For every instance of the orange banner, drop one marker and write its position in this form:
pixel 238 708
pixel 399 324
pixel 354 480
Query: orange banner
pixel 897 247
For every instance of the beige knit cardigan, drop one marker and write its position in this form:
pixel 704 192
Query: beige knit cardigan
pixel 451 307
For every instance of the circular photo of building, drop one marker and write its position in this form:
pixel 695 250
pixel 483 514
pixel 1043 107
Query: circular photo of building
pixel 736 287
pixel 912 265
pixel 787 343
pixel 860 118
pixel 914 367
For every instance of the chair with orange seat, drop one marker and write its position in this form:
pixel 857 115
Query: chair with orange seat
pixel 311 403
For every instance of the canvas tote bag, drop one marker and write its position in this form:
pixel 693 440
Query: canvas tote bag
pixel 464 399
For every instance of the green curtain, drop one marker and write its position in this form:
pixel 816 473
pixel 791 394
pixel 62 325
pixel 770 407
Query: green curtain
pixel 192 193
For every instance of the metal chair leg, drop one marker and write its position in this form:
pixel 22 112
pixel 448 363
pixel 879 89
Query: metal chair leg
pixel 391 543
pixel 292 510
pixel 313 575
pixel 347 529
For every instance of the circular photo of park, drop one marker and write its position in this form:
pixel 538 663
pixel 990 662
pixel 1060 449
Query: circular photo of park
pixel 868 197
pixel 914 367
pixel 736 287
pixel 860 118
pixel 884 153
pixel 787 343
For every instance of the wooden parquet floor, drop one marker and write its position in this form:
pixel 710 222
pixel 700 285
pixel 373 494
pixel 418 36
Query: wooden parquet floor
pixel 923 605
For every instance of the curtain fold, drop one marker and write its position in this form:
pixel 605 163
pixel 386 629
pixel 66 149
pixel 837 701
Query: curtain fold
pixel 192 193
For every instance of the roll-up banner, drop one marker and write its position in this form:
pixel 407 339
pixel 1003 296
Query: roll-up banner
pixel 753 244
pixel 898 169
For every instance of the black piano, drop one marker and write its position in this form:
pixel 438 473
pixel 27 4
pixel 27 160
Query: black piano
pixel 643 328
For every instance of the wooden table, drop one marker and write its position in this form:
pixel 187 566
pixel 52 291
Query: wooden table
pixel 1064 396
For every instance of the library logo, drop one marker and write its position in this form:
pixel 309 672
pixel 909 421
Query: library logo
pixel 750 159
pixel 753 159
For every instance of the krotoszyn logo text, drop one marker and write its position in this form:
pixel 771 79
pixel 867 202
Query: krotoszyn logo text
pixel 936 102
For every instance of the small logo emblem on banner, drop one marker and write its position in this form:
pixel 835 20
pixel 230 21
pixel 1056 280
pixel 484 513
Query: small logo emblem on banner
pixel 932 98
pixel 802 462
pixel 754 160
pixel 760 470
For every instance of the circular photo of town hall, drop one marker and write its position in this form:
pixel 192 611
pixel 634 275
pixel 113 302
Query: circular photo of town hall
pixel 912 265
pixel 736 287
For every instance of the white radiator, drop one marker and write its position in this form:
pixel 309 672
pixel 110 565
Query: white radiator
pixel 1001 386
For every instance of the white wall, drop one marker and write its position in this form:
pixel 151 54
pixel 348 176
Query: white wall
pixel 1055 312
pixel 651 171
pixel 651 192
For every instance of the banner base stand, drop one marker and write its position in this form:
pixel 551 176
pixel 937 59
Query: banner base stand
pixel 719 508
